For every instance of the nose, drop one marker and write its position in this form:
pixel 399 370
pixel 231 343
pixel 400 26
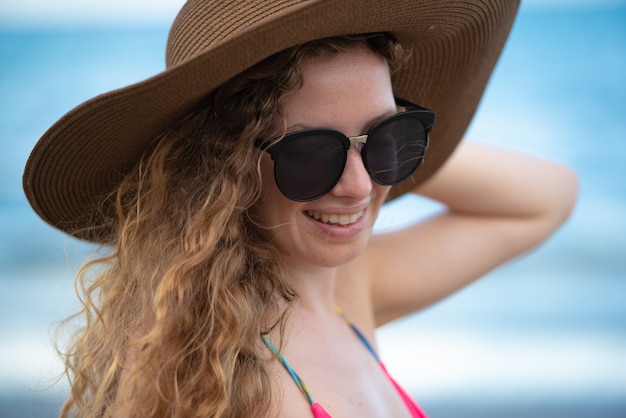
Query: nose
pixel 355 182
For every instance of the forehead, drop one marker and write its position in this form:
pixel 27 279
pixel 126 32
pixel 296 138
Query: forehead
pixel 340 90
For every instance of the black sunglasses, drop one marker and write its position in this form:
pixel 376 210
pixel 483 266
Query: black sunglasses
pixel 308 164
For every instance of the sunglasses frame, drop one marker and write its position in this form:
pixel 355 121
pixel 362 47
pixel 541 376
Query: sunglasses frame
pixel 275 147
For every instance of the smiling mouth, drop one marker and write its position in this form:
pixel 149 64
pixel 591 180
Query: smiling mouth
pixel 335 219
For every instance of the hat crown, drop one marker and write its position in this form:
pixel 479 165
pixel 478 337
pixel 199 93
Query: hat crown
pixel 203 24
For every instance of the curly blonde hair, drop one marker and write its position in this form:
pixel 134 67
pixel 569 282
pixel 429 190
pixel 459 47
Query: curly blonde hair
pixel 174 309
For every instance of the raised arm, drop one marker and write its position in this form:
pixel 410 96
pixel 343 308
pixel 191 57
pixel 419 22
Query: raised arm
pixel 499 205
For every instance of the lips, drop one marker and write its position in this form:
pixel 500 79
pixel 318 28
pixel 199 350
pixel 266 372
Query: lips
pixel 334 218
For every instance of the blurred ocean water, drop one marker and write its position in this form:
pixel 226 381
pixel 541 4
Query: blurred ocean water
pixel 544 335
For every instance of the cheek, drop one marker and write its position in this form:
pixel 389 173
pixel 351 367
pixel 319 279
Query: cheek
pixel 383 191
pixel 381 195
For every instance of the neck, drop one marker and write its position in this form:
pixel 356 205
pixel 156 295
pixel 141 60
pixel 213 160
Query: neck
pixel 315 287
pixel 313 315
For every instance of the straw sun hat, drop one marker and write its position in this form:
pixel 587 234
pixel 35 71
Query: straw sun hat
pixel 83 157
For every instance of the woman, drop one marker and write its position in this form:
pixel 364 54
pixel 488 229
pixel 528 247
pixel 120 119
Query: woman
pixel 234 195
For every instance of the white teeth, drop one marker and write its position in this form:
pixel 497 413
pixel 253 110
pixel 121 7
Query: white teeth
pixel 334 219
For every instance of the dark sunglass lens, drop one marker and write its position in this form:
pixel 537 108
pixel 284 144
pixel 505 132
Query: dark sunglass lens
pixel 309 165
pixel 395 149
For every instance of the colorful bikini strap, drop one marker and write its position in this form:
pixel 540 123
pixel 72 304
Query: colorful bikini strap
pixel 358 332
pixel 291 371
pixel 316 408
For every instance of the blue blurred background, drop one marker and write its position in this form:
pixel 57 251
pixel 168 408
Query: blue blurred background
pixel 543 336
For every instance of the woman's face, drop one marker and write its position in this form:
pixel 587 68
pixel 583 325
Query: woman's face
pixel 348 92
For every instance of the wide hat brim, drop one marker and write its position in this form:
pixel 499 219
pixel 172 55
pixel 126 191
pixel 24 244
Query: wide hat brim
pixel 82 158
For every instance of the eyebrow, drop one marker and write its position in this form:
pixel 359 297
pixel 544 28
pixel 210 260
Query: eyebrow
pixel 301 127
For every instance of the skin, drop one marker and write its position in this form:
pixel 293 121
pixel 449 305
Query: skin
pixel 499 205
